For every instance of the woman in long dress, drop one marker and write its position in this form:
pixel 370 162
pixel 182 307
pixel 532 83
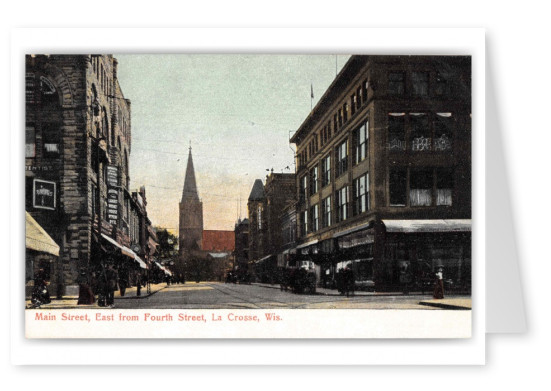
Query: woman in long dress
pixel 439 285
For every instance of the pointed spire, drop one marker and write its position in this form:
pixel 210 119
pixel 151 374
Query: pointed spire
pixel 190 187
pixel 257 192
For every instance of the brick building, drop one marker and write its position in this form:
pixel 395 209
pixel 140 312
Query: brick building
pixel 266 206
pixel 77 148
pixel 384 171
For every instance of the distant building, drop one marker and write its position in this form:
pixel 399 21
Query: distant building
pixel 203 254
pixel 384 171
pixel 266 205
pixel 241 252
pixel 218 241
pixel 257 221
pixel 191 213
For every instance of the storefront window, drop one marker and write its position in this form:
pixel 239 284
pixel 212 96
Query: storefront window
pixel 444 187
pixel 420 188
pixel 397 186
pixel 443 135
pixel 420 132
pixel 396 132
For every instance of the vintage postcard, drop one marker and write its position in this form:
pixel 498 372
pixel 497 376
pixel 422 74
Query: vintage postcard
pixel 248 196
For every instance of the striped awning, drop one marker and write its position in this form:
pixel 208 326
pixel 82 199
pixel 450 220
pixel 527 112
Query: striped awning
pixel 126 251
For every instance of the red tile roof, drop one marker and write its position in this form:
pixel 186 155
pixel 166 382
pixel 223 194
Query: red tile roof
pixel 218 240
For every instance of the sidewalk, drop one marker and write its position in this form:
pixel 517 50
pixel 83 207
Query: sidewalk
pixel 450 303
pixel 71 301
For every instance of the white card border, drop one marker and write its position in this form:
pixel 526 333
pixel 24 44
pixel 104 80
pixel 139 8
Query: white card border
pixel 271 352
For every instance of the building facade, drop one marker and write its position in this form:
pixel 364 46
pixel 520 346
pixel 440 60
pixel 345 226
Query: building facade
pixel 384 171
pixel 241 252
pixel 266 205
pixel 77 148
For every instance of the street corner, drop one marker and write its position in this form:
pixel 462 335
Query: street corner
pixel 450 304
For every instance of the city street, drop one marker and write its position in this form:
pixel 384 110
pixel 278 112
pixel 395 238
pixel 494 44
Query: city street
pixel 215 295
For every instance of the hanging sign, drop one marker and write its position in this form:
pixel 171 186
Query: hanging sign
pixel 112 176
pixel 44 194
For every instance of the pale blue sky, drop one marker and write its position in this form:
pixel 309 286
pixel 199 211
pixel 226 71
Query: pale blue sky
pixel 237 111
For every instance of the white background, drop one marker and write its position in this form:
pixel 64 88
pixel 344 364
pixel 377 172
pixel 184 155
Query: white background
pixel 518 53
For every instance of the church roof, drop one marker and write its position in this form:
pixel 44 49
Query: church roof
pixel 214 240
pixel 257 193
pixel 190 187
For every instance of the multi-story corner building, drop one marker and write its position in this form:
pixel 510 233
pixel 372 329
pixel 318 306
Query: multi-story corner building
pixel 384 171
pixel 77 148
pixel 266 204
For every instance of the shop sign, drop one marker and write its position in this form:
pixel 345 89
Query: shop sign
pixel 356 239
pixel 39 168
pixel 112 176
pixel 44 194
pixel 112 206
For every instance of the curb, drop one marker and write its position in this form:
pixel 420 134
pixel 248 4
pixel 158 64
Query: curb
pixel 139 297
pixel 445 306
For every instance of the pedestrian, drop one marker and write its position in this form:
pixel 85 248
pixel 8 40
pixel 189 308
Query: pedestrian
pixel 404 277
pixel 138 285
pixel 101 284
pixel 349 281
pixel 123 281
pixel 40 294
pixel 439 284
pixel 85 294
pixel 112 277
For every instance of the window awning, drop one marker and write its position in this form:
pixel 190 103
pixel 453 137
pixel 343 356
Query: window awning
pixel 165 270
pixel 310 243
pixel 126 251
pixel 290 251
pixel 421 226
pixel 263 259
pixel 113 241
pixel 37 239
pixel 351 230
pixel 219 255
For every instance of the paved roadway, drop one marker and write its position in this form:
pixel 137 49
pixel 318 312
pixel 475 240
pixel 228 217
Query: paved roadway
pixel 213 295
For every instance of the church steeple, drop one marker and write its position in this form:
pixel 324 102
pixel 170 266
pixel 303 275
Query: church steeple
pixel 190 187
pixel 191 213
